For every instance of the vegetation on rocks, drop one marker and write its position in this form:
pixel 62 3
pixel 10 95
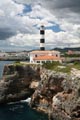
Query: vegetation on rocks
pixel 62 67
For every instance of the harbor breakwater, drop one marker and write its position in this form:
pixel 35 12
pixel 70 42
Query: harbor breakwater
pixel 56 94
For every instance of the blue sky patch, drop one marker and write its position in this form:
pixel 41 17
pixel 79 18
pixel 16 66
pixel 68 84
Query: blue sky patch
pixel 27 8
pixel 55 28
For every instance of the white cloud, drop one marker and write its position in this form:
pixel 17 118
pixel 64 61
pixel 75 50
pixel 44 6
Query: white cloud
pixel 52 40
pixel 2 13
pixel 25 40
pixel 23 27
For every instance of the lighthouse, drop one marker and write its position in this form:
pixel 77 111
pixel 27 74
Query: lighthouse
pixel 42 39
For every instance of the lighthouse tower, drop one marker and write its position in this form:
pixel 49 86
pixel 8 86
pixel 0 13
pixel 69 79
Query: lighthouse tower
pixel 42 39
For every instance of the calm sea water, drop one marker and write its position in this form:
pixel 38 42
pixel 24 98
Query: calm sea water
pixel 2 63
pixel 18 111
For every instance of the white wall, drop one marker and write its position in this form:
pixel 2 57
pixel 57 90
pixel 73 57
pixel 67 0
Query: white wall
pixel 32 55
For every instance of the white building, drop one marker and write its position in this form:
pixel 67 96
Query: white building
pixel 44 56
pixel 3 54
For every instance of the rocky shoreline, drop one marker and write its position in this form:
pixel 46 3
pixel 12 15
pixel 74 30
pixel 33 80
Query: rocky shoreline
pixel 57 94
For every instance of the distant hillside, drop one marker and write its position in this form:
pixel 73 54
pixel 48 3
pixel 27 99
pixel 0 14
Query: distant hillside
pixel 66 49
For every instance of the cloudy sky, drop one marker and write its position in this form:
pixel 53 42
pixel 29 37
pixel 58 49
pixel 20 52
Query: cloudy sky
pixel 20 21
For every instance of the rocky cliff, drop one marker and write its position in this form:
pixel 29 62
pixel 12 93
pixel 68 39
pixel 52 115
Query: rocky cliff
pixel 19 82
pixel 56 94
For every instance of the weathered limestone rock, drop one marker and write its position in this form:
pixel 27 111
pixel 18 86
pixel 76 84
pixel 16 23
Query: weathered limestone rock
pixel 17 81
pixel 58 95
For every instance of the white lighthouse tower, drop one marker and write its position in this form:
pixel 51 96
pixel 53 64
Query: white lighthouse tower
pixel 42 56
pixel 42 39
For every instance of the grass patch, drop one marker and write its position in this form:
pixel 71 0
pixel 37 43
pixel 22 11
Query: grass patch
pixel 67 69
pixel 50 65
pixel 76 65
pixel 56 66
pixel 20 63
pixel 17 63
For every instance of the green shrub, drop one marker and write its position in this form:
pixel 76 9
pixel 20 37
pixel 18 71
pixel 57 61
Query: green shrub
pixel 17 63
pixel 51 65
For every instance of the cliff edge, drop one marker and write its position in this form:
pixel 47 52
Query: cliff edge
pixel 54 93
pixel 58 95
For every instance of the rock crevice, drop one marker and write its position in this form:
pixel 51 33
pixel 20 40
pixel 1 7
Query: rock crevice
pixel 16 82
pixel 56 94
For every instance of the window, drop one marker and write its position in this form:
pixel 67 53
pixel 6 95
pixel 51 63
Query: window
pixel 35 55
pixel 48 61
pixel 38 61
pixel 43 61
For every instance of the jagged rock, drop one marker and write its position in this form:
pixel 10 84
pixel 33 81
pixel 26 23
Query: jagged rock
pixel 17 81
pixel 61 93
pixel 56 94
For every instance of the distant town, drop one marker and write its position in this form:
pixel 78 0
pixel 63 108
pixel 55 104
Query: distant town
pixel 67 54
pixel 23 55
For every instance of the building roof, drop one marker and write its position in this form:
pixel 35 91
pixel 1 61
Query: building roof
pixel 44 51
pixel 47 57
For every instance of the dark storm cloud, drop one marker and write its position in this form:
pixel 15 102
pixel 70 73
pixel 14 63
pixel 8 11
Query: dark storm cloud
pixel 5 33
pixel 73 5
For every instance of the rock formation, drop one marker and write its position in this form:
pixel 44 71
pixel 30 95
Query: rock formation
pixel 57 94
pixel 17 83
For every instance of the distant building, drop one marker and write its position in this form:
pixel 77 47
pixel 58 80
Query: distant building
pixel 3 54
pixel 70 52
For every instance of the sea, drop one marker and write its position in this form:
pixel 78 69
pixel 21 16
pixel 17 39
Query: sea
pixel 19 110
